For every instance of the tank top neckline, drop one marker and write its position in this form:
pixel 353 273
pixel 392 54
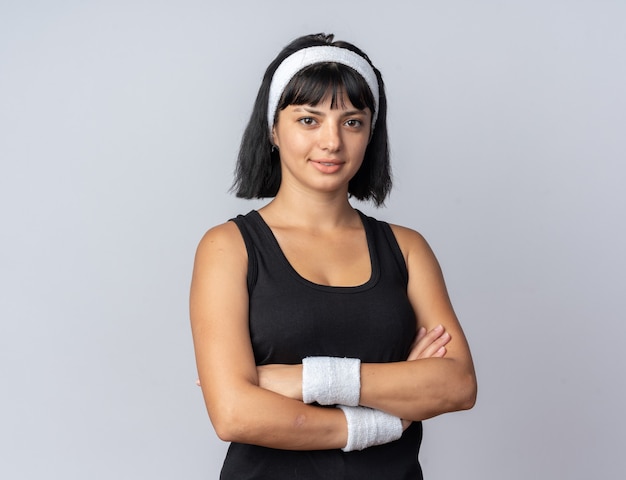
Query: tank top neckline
pixel 374 264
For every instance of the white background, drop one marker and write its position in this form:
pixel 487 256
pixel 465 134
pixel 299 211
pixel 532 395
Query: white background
pixel 119 126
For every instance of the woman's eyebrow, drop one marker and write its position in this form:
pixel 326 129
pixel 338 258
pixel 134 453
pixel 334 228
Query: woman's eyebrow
pixel 355 112
pixel 302 108
pixel 319 112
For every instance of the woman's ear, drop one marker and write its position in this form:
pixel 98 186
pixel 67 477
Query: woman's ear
pixel 274 137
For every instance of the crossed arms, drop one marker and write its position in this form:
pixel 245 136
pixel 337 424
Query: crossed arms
pixel 263 405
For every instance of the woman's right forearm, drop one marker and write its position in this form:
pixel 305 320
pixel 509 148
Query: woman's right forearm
pixel 250 414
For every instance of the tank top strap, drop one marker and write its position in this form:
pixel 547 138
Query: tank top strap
pixel 243 223
pixel 388 250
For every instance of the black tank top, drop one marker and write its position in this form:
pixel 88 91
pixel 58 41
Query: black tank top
pixel 292 318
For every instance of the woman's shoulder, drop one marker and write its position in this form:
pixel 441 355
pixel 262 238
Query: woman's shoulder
pixel 223 232
pixel 411 242
pixel 407 236
pixel 224 240
pixel 408 239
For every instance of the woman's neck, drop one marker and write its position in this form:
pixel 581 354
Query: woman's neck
pixel 317 212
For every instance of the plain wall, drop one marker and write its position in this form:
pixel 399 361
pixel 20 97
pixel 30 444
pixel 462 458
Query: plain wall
pixel 119 126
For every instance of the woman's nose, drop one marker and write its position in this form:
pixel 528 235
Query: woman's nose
pixel 330 137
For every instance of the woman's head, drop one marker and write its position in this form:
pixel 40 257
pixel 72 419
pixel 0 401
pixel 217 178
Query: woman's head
pixel 302 75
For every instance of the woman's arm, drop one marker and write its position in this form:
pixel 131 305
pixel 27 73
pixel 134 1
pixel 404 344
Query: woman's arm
pixel 239 409
pixel 426 387
pixel 438 376
pixel 286 379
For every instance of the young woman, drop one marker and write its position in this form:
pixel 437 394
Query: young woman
pixel 323 337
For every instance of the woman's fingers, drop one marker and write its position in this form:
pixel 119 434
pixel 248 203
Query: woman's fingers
pixel 437 347
pixel 413 354
pixel 440 353
pixel 429 344
pixel 421 333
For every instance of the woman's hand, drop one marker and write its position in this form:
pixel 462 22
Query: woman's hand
pixel 429 345
pixel 285 380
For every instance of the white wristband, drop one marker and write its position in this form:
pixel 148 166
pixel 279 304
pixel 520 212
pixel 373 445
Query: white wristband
pixel 368 427
pixel 331 380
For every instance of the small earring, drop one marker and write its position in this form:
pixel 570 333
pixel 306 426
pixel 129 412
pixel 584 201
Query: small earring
pixel 274 148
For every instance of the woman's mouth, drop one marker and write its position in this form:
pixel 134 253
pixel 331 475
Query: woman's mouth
pixel 327 166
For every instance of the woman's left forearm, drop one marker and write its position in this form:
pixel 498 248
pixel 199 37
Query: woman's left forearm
pixel 419 389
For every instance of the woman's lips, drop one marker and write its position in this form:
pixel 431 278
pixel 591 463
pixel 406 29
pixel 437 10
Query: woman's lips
pixel 327 166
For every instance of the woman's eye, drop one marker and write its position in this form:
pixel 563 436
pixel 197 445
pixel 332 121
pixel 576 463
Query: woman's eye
pixel 307 121
pixel 354 123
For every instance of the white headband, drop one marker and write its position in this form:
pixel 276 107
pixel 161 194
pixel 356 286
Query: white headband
pixel 309 56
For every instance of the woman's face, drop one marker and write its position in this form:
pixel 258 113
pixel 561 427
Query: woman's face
pixel 321 148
